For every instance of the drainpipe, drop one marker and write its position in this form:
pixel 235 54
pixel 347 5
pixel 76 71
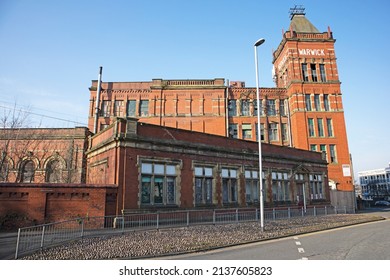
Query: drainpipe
pixel 227 108
pixel 97 100
pixel 289 122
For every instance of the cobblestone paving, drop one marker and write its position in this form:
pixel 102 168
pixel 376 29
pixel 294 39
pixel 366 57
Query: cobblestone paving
pixel 196 238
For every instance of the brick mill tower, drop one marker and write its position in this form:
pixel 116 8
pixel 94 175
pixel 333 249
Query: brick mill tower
pixel 305 64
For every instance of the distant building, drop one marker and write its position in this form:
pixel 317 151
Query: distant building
pixel 304 111
pixel 375 184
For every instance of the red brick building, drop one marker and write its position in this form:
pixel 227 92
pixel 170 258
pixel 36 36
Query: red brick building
pixel 138 166
pixel 158 167
pixel 189 143
pixel 43 155
pixel 304 111
pixel 42 177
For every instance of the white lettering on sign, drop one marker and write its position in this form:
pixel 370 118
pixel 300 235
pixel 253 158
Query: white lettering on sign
pixel 282 62
pixel 317 52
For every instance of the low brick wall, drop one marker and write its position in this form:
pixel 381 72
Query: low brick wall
pixel 29 204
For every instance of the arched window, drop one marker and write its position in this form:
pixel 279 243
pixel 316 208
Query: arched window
pixel 4 170
pixel 28 170
pixel 54 171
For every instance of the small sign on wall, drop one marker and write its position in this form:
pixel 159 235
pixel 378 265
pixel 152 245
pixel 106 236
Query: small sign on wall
pixel 346 170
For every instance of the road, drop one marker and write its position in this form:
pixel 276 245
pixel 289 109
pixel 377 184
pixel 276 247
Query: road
pixel 360 242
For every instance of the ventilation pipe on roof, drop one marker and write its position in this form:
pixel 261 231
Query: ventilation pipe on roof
pixel 99 88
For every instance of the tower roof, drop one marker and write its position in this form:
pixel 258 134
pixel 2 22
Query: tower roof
pixel 300 24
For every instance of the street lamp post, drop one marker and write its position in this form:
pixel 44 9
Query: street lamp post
pixel 258 43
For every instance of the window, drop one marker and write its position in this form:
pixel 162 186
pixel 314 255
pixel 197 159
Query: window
pixel 323 150
pixel 322 73
pixel 233 131
pixel 320 126
pixel 255 108
pixel 131 108
pixel 54 171
pixel 326 102
pixel 329 127
pixel 103 126
pixel 317 104
pixel 144 108
pixel 203 185
pixel 313 147
pixel 305 75
pixel 229 185
pixel 311 127
pixel 273 132
pixel 280 187
pixel 261 132
pixel 158 183
pixel 313 72
pixel 246 131
pixel 282 107
pixel 308 102
pixel 332 152
pixel 232 108
pixel 284 132
pixel 27 171
pixel 105 112
pixel 5 166
pixel 251 186
pixel 245 108
pixel 316 187
pixel 118 108
pixel 271 110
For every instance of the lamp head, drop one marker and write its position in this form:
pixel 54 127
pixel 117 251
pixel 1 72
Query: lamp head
pixel 259 42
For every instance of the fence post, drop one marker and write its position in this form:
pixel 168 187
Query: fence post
pixel 82 228
pixel 257 214
pixel 157 219
pixel 273 214
pixel 188 218
pixel 213 216
pixel 303 212
pixel 236 215
pixel 345 209
pixel 123 223
pixel 43 236
pixel 335 209
pixel 289 213
pixel 17 245
pixel 326 211
pixel 315 212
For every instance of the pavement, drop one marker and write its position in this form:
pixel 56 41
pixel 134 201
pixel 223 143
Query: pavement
pixel 8 245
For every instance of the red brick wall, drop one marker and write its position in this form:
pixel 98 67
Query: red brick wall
pixel 30 204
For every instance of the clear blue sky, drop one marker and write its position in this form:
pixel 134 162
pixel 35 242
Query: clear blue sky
pixel 51 50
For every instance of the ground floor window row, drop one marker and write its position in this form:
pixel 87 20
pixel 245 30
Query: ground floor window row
pixel 160 184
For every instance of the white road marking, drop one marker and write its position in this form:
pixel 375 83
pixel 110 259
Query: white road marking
pixel 297 243
pixel 300 250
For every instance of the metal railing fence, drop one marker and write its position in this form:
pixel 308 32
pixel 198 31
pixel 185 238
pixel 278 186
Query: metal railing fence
pixel 31 239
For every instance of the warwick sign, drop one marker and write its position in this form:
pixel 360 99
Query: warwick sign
pixel 316 52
